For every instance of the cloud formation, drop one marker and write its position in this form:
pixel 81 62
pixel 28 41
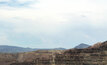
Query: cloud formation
pixel 16 3
pixel 53 23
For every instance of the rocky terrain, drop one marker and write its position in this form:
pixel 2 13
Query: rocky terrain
pixel 81 46
pixel 93 55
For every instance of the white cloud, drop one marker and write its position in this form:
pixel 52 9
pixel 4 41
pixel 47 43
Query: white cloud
pixel 52 17
pixel 4 39
pixel 49 15
pixel 20 1
pixel 4 0
pixel 26 1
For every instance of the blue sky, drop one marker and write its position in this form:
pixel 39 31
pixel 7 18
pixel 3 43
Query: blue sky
pixel 52 23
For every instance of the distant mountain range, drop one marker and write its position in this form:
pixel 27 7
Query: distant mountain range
pixel 15 49
pixel 82 45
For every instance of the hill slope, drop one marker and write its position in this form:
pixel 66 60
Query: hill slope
pixel 80 46
pixel 94 55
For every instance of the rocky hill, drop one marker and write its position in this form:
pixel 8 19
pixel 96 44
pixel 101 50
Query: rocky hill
pixel 81 46
pixel 93 55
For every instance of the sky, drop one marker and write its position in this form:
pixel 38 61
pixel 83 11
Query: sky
pixel 52 23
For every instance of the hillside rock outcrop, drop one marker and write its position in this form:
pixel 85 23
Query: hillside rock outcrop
pixel 93 55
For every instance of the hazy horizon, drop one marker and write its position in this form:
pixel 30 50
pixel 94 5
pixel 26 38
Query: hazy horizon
pixel 52 23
